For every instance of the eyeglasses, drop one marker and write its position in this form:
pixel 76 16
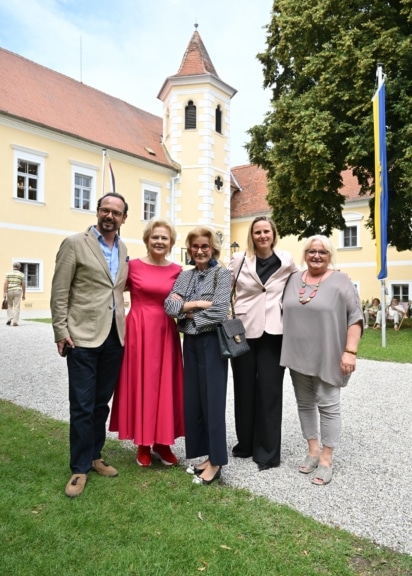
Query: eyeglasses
pixel 202 247
pixel 320 252
pixel 106 212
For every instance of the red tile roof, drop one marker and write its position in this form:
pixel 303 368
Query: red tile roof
pixel 41 96
pixel 249 190
pixel 250 200
pixel 196 60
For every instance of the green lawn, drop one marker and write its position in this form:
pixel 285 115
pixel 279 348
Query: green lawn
pixel 153 522
pixel 398 344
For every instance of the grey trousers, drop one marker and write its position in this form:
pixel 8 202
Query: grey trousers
pixel 318 407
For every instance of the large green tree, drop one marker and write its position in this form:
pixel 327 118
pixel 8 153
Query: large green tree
pixel 320 62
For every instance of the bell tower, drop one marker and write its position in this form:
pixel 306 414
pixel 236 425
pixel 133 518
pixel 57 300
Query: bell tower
pixel 196 134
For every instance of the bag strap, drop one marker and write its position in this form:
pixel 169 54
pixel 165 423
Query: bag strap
pixel 232 293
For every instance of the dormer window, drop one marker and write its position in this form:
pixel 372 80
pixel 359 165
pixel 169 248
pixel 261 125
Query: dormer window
pixel 190 116
pixel 218 120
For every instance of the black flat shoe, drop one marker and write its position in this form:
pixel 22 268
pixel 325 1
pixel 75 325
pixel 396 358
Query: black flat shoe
pixel 238 453
pixel 199 480
pixel 198 471
pixel 263 467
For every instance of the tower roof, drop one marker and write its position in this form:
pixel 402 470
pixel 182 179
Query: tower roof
pixel 196 60
pixel 196 67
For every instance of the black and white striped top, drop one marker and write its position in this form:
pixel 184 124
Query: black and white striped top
pixel 212 284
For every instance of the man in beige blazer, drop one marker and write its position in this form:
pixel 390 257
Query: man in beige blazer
pixel 88 321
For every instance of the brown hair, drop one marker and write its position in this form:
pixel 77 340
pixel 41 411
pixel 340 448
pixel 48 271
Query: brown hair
pixel 250 244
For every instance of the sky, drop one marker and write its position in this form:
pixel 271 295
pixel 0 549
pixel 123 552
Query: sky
pixel 127 48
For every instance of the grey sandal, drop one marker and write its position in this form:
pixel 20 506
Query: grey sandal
pixel 309 464
pixel 324 474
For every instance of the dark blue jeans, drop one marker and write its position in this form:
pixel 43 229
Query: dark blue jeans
pixel 93 374
pixel 205 384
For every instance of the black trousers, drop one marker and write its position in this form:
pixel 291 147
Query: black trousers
pixel 93 374
pixel 205 386
pixel 258 393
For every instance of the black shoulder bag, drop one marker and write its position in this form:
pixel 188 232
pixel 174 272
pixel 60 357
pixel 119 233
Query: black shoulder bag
pixel 231 332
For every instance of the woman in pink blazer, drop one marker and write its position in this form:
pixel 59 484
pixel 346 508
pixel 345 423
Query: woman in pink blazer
pixel 261 273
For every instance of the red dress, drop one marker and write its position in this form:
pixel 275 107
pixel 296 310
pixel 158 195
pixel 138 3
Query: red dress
pixel 148 399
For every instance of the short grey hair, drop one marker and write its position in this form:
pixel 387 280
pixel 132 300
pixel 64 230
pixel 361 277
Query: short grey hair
pixel 16 266
pixel 326 243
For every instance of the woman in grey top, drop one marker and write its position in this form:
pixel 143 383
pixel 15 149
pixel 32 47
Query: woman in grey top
pixel 322 322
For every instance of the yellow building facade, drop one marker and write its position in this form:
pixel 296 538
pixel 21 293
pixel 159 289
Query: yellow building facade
pixel 58 136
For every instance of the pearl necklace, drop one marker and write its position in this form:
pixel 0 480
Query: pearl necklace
pixel 312 294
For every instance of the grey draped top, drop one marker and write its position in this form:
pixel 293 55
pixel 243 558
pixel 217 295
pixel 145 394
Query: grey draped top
pixel 314 334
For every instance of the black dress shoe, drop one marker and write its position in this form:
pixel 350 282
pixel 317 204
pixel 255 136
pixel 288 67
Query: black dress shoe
pixel 262 467
pixel 237 453
pixel 199 480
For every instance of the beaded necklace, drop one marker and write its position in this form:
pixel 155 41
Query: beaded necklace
pixel 312 294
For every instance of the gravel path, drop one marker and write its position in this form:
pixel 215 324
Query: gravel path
pixel 370 494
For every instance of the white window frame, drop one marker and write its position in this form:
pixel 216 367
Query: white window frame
pixel 40 264
pixel 352 220
pixel 154 188
pixel 398 283
pixel 34 157
pixel 351 227
pixel 90 172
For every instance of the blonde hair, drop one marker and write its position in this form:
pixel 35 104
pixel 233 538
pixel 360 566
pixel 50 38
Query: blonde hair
pixel 157 223
pixel 326 243
pixel 250 244
pixel 214 241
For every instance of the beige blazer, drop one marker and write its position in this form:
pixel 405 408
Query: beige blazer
pixel 258 305
pixel 83 292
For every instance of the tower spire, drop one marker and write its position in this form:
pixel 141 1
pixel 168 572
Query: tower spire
pixel 196 59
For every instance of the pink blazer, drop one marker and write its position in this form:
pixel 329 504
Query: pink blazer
pixel 258 305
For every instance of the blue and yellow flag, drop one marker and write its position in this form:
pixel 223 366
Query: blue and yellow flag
pixel 381 182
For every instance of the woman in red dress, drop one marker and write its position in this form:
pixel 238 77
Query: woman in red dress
pixel 148 400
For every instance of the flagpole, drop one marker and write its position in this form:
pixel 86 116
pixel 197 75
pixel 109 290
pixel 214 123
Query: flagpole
pixel 379 75
pixel 383 310
pixel 103 168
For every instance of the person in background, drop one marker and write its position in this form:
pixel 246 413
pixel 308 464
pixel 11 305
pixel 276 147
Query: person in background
pixel 88 319
pixel 395 312
pixel 322 320
pixel 148 400
pixel 257 375
pixel 200 300
pixel 371 311
pixel 14 290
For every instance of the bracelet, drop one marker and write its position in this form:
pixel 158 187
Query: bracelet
pixel 351 352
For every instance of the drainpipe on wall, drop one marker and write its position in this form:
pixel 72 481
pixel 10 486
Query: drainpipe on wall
pixel 173 181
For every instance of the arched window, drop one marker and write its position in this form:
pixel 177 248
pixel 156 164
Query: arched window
pixel 218 120
pixel 190 116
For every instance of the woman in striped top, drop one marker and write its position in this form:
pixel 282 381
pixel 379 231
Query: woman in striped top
pixel 200 301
